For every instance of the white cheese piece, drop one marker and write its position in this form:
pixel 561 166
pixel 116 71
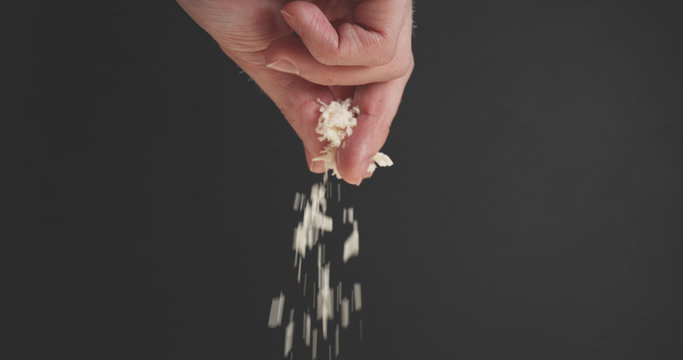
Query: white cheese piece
pixel 336 342
pixel 314 344
pixel 357 299
pixel 345 313
pixel 352 243
pixel 276 308
pixel 289 337
pixel 297 200
pixel 307 329
pixel 314 222
pixel 382 159
pixel 325 310
pixel 335 123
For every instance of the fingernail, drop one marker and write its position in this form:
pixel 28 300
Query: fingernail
pixel 285 66
pixel 291 21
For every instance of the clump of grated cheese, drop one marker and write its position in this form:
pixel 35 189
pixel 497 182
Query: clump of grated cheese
pixel 336 123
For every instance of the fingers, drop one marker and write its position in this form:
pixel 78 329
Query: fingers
pixel 295 97
pixel 378 103
pixel 289 55
pixel 366 35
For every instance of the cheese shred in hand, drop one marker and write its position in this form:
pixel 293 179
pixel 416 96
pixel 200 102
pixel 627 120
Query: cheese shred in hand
pixel 336 123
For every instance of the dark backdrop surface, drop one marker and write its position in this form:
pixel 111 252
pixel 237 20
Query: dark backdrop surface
pixel 535 209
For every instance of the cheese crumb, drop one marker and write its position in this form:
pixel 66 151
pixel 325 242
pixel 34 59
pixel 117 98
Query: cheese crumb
pixel 352 243
pixel 325 298
pixel 276 308
pixel 345 313
pixel 336 123
pixel 289 337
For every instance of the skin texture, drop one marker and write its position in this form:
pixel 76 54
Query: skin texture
pixel 298 51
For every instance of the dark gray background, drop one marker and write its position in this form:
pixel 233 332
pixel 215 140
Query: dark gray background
pixel 534 211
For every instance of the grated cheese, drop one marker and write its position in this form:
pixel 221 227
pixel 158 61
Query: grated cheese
pixel 352 243
pixel 289 337
pixel 325 299
pixel 336 122
pixel 358 303
pixel 276 308
pixel 345 313
pixel 329 309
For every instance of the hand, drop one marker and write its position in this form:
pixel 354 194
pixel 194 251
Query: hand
pixel 344 48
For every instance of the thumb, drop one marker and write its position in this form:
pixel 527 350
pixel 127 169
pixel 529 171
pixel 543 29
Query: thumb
pixel 378 104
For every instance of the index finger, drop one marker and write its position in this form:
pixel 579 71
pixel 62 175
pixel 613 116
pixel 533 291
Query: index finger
pixel 366 34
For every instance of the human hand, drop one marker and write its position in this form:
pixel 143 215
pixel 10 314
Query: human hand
pixel 345 48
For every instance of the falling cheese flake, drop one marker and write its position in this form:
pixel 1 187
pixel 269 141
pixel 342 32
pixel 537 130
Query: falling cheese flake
pixel 276 308
pixel 314 221
pixel 358 304
pixel 307 329
pixel 345 313
pixel 352 243
pixel 314 344
pixel 289 337
pixel 325 299
pixel 336 342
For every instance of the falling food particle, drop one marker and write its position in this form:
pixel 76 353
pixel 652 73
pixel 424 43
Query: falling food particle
pixel 336 342
pixel 296 201
pixel 345 313
pixel 289 337
pixel 298 276
pixel 325 299
pixel 276 308
pixel 314 221
pixel 307 329
pixel 357 297
pixel 352 244
pixel 314 347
